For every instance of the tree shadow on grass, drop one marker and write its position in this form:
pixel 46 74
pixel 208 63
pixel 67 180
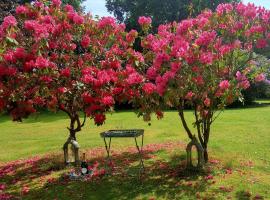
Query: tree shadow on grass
pixel 163 178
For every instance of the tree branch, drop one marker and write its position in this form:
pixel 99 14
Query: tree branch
pixel 84 119
pixel 79 126
pixel 182 117
pixel 198 124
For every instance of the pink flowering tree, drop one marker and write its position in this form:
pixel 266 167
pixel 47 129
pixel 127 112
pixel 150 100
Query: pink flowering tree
pixel 203 62
pixel 72 60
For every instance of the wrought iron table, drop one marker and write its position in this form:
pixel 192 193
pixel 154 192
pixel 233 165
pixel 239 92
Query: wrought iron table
pixel 126 133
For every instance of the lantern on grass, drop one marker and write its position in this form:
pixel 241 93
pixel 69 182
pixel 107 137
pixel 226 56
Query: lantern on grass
pixel 71 152
pixel 200 162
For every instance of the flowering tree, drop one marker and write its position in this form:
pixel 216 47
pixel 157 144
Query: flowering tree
pixel 204 62
pixel 71 60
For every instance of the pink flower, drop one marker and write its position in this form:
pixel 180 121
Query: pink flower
pixel 77 19
pixel 244 84
pixel 106 21
pixel 207 102
pixel 175 66
pixel 185 25
pixel 42 62
pixel 39 4
pixel 104 76
pixel 206 38
pixel 21 10
pixel 134 78
pixel 159 114
pixel 108 100
pixel 209 177
pixel 9 57
pixel 85 41
pixel 261 43
pixel 9 21
pixel 149 88
pixel 224 8
pixel 29 66
pixel 206 58
pixel 161 88
pixel 239 76
pixel 224 49
pixel 88 79
pixel 130 37
pixel 30 24
pixel 198 80
pixel 151 73
pixel 87 98
pixel 254 30
pixel 57 3
pixel 65 72
pixel 20 53
pixel 224 85
pixel 69 8
pixel 144 21
pixel 2 187
pixel 99 119
pixel 260 78
pixel 62 90
pixel 189 95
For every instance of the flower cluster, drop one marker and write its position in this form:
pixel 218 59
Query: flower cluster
pixel 145 21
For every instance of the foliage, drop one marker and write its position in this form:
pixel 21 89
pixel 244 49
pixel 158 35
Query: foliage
pixel 205 62
pixel 128 11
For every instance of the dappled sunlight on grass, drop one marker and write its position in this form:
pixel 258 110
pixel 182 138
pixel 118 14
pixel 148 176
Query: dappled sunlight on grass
pixel 239 166
pixel 165 177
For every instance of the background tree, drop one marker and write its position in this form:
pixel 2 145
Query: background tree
pixel 128 11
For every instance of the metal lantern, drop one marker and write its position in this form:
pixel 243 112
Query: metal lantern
pixel 194 142
pixel 71 152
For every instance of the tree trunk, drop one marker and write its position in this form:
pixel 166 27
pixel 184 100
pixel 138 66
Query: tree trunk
pixel 74 119
pixel 202 125
pixel 75 148
pixel 205 155
pixel 72 141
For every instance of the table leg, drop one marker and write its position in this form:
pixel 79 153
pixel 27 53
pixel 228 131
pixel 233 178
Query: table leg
pixel 140 150
pixel 108 148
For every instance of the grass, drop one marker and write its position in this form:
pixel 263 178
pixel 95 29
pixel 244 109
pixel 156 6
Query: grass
pixel 239 154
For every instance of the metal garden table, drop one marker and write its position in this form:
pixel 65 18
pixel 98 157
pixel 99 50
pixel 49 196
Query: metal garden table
pixel 126 133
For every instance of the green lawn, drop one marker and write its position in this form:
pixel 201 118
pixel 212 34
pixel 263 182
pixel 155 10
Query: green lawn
pixel 239 143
